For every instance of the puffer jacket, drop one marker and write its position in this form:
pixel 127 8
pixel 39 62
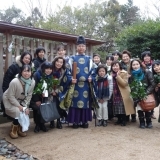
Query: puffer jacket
pixel 37 62
pixel 11 73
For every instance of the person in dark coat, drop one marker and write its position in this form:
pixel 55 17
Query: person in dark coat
pixel 156 74
pixel 46 71
pixel 13 70
pixel 147 61
pixel 145 76
pixel 40 51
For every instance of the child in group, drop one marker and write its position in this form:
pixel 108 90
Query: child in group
pixel 104 93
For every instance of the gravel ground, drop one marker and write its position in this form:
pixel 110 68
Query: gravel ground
pixel 95 143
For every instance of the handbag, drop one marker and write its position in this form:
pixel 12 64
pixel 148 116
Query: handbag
pixel 148 103
pixel 49 111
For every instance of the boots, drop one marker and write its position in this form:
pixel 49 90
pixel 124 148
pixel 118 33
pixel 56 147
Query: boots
pixel 59 125
pixel 43 127
pixel 104 123
pixel 123 117
pixel 13 134
pixel 52 125
pixel 133 117
pixel 142 122
pixel 119 120
pixel 149 123
pixel 37 128
pixel 100 122
pixel 20 133
pixel 148 119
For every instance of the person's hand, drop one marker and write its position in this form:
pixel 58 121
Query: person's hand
pixel 89 79
pixel 20 108
pixel 54 94
pixel 101 101
pixel 27 111
pixel 118 73
pixel 38 103
pixel 128 75
pixel 74 81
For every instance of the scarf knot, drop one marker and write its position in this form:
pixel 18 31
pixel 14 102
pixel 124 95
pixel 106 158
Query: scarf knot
pixel 138 74
pixel 103 87
pixel 27 83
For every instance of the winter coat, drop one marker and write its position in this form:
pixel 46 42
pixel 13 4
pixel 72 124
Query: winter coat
pixel 122 81
pixel 11 72
pixel 149 81
pixel 14 96
pixel 37 62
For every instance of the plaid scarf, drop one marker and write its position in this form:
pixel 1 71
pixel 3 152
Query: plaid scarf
pixel 103 87
pixel 117 98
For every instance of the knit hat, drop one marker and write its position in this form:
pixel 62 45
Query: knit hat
pixel 81 40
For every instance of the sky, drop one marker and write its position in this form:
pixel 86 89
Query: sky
pixel 144 5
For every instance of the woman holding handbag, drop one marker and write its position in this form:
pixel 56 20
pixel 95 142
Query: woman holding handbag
pixel 17 97
pixel 45 72
pixel 146 77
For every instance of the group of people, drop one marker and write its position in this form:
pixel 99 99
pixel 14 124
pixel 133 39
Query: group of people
pixel 106 84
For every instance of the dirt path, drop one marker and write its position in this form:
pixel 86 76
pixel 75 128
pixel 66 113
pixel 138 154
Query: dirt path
pixel 95 143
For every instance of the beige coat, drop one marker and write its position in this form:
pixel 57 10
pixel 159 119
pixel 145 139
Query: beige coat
pixel 122 81
pixel 13 96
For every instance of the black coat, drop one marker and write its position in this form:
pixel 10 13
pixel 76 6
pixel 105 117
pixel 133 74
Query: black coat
pixel 10 74
pixel 37 62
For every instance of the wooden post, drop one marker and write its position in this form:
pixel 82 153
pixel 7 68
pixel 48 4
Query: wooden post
pixel 73 49
pixel 45 44
pixel 8 60
pixel 31 44
pixel 17 47
pixel 90 52
pixel 68 49
pixel 24 44
pixel 51 46
pixel 1 66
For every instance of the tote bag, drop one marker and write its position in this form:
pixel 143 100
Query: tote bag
pixel 49 111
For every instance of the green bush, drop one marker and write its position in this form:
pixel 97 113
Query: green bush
pixel 138 37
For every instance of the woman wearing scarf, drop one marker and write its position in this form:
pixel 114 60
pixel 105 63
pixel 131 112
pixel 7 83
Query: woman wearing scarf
pixel 145 76
pixel 18 96
pixel 122 102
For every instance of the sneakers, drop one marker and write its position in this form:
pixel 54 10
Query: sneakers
pixel 153 117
